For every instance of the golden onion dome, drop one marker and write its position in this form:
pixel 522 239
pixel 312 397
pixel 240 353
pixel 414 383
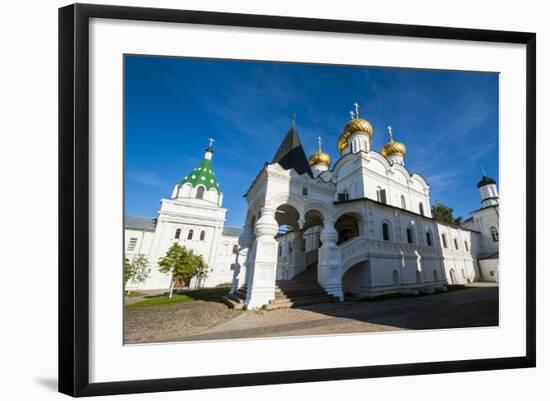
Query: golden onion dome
pixel 393 147
pixel 319 157
pixel 356 124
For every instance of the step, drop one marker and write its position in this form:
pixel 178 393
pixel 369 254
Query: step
pixel 291 294
pixel 301 302
pixel 231 303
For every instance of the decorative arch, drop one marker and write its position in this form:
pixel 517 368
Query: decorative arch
pixel 348 226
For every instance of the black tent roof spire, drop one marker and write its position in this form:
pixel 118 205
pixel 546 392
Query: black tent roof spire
pixel 291 153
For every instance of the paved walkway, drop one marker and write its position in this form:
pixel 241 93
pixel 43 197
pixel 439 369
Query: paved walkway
pixel 473 307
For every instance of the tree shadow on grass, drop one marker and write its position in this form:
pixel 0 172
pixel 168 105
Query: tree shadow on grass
pixel 206 294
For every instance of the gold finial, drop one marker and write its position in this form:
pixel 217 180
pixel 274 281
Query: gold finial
pixel 293 120
pixel 391 133
pixel 356 109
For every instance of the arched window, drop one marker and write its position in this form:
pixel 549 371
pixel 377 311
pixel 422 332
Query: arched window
pixel 409 235
pixel 466 246
pixel 200 192
pixel 190 234
pixel 178 233
pixel 403 203
pixel 202 235
pixel 385 231
pixel 456 243
pixel 429 238
pixel 436 278
pixel 494 234
pixel 395 277
pixel 444 240
pixel 235 249
pixel 421 208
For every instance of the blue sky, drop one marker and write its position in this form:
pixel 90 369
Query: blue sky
pixel 448 120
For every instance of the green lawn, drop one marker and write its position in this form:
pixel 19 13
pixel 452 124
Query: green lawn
pixel 204 294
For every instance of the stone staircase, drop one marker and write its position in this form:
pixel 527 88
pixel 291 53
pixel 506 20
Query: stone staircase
pixel 301 290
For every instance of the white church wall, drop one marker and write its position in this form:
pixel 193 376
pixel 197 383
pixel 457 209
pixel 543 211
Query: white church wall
pixel 489 269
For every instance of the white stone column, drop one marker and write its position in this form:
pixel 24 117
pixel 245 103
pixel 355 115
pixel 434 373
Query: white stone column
pixel 242 260
pixel 298 256
pixel 263 267
pixel 329 268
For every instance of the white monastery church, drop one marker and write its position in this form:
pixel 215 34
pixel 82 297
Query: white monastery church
pixel 316 233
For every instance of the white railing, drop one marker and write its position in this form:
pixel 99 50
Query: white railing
pixel 360 248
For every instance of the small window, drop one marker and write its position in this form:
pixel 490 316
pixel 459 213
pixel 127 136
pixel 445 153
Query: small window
pixel 429 239
pixel 444 240
pixel 190 234
pixel 403 203
pixel 456 243
pixel 385 231
pixel 304 191
pixel 436 278
pixel 280 250
pixel 494 234
pixel 491 273
pixel 235 249
pixel 233 265
pixel 132 244
pixel 466 246
pixel 200 192
pixel 381 195
pixel 418 276
pixel 421 208
pixel 409 236
pixel 178 233
pixel 343 196
pixel 202 235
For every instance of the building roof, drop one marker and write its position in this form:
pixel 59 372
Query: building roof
pixel 140 223
pixel 494 255
pixel 202 174
pixel 485 181
pixel 232 231
pixel 291 154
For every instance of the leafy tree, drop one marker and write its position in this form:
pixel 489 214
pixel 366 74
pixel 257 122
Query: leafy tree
pixel 136 270
pixel 444 214
pixel 182 264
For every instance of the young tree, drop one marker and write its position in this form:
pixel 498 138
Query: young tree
pixel 444 214
pixel 182 264
pixel 136 270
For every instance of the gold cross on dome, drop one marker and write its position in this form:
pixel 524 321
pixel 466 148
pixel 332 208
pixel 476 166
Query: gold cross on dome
pixel 319 142
pixel 391 133
pixel 356 109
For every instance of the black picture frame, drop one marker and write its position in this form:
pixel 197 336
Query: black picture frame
pixel 74 198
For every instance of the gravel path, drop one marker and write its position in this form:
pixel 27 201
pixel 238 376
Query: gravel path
pixel 173 322
pixel 200 320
